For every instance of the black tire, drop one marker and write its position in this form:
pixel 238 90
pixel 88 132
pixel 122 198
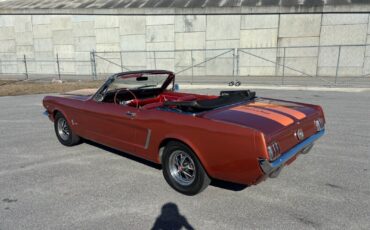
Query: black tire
pixel 200 179
pixel 67 139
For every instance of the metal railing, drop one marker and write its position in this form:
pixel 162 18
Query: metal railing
pixel 49 68
pixel 300 65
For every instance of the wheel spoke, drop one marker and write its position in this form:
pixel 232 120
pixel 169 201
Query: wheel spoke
pixel 182 160
pixel 190 167
pixel 190 170
pixel 187 174
pixel 179 160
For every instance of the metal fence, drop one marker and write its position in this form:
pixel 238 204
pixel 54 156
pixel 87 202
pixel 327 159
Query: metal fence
pixel 298 65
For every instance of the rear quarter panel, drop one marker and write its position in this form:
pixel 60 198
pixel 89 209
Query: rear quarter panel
pixel 227 151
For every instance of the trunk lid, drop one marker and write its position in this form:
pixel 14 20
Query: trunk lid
pixel 278 120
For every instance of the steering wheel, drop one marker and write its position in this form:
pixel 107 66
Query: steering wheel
pixel 127 102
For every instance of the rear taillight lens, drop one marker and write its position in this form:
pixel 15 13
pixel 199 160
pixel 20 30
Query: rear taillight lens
pixel 273 150
pixel 319 124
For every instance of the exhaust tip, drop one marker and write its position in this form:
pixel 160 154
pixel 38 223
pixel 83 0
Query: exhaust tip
pixel 276 172
pixel 306 149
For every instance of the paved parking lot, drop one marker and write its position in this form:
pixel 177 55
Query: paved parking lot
pixel 44 185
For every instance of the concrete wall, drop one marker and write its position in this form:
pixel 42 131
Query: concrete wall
pixel 41 38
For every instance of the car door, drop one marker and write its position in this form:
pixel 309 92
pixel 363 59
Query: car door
pixel 109 124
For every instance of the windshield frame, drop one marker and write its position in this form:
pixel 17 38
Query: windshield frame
pixel 100 92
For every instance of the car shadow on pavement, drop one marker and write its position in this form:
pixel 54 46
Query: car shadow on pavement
pixel 171 219
pixel 228 185
pixel 123 154
pixel 216 183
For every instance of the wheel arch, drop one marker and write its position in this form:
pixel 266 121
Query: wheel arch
pixel 56 111
pixel 196 151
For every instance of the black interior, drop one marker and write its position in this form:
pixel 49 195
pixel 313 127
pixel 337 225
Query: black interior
pixel 198 105
pixel 225 98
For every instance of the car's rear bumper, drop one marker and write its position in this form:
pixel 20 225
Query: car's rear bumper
pixel 272 168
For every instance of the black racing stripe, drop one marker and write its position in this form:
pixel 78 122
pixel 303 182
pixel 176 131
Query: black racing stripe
pixel 261 123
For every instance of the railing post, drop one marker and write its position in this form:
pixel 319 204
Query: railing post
pixel 93 65
pixel 155 60
pixel 278 59
pixel 25 66
pixel 58 66
pixel 282 79
pixel 192 67
pixel 336 71
pixel 234 61
pixel 237 62
pixel 120 54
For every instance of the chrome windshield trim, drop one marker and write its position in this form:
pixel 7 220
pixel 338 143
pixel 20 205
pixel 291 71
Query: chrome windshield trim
pixel 270 166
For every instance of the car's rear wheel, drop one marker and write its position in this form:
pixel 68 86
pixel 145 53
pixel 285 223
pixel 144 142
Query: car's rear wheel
pixel 182 169
pixel 64 133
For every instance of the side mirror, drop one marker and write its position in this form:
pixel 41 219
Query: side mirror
pixel 99 97
pixel 176 87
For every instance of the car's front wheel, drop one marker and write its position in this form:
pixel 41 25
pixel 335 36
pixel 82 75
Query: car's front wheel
pixel 64 133
pixel 182 169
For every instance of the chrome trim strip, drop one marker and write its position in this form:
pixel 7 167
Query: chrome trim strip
pixel 268 167
pixel 147 141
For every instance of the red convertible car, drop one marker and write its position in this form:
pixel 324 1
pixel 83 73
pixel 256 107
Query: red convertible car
pixel 235 136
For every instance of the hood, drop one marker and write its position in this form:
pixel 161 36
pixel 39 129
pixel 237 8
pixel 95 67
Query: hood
pixel 266 115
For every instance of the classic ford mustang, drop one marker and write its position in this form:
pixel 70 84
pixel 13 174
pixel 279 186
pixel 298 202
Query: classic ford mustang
pixel 235 136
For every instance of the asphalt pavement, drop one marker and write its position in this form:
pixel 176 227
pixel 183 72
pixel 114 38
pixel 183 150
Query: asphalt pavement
pixel 44 185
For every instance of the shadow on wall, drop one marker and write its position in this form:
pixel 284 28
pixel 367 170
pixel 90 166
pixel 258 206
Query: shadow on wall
pixel 170 218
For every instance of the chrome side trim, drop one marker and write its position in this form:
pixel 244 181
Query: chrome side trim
pixel 270 166
pixel 147 141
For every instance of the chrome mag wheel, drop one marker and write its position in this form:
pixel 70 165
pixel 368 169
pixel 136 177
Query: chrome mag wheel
pixel 182 167
pixel 63 129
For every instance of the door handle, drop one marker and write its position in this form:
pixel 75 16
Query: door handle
pixel 131 114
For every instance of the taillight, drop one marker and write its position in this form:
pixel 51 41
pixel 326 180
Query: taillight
pixel 273 150
pixel 319 124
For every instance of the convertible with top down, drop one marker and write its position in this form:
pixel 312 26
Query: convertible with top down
pixel 235 136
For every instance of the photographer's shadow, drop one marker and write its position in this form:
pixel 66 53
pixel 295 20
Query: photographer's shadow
pixel 170 218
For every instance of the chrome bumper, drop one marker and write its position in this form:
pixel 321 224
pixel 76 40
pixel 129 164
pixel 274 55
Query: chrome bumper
pixel 269 167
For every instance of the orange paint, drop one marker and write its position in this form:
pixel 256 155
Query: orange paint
pixel 292 112
pixel 284 120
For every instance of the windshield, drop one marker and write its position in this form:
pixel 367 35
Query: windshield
pixel 138 81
